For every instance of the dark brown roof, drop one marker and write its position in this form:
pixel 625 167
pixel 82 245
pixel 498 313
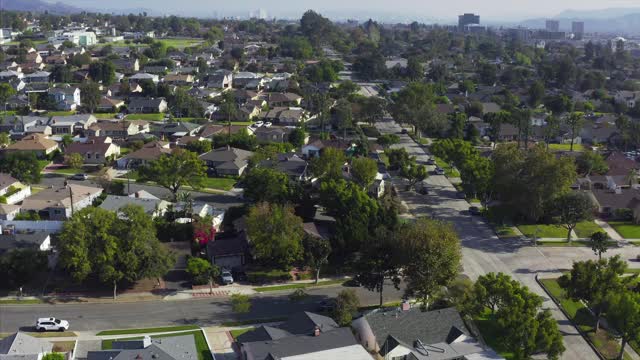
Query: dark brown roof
pixel 620 164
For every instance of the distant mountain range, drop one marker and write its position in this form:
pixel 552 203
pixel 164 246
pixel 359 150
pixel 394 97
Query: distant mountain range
pixel 624 24
pixel 39 6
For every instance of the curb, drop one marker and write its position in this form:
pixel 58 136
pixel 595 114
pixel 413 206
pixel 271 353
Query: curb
pixel 584 336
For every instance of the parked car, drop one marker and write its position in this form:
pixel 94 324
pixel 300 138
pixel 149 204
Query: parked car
pixel 404 131
pixel 51 324
pixel 431 161
pixel 226 277
pixel 119 116
pixel 79 177
pixel 267 124
pixel 474 210
pixel 258 123
pixel 439 171
pixel 461 195
pixel 423 190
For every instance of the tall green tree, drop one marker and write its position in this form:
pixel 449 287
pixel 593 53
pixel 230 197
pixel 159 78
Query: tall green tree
pixel 20 266
pixel 380 260
pixel 624 316
pixel 591 162
pixel 599 241
pixel 329 164
pixel 175 170
pixel 432 253
pixel 536 93
pixel 316 252
pixel 573 208
pixel 276 234
pixel 347 304
pixel 6 91
pixel 414 173
pixel 574 122
pixel 364 171
pixel 113 248
pixel 270 185
pixel 90 96
pixel 22 166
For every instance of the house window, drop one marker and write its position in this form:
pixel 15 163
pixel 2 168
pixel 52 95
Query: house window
pixel 97 156
pixel 88 156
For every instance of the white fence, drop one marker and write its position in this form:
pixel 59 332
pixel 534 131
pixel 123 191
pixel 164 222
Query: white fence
pixel 25 225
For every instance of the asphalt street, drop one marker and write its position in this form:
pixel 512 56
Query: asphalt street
pixel 203 312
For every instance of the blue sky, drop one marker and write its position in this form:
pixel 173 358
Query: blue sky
pixel 437 9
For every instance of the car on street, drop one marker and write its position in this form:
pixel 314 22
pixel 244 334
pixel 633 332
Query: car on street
pixel 474 210
pixel 267 124
pixel 258 123
pixel 226 277
pixel 439 171
pixel 404 131
pixel 461 195
pixel 51 324
pixel 119 116
pixel 81 177
pixel 431 162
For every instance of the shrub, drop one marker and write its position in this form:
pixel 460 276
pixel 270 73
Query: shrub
pixel 240 303
pixel 268 276
pixel 298 295
pixel 3 199
pixel 623 214
pixel 201 270
pixel 304 276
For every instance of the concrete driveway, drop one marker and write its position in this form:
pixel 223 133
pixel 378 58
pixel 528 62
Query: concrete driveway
pixel 484 252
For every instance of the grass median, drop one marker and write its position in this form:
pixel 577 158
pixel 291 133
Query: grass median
pixel 21 302
pixel 148 330
pixel 298 286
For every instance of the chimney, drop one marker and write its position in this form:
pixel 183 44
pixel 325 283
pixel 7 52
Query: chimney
pixel 146 342
pixel 316 331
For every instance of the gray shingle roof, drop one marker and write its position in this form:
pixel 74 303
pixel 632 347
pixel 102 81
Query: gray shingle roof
pixel 23 344
pixel 165 348
pixel 430 327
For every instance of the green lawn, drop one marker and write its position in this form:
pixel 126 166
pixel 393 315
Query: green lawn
pixel 204 353
pixel 505 231
pixel 219 183
pixel 422 141
pixel 236 333
pixel 449 171
pixel 60 113
pixel 43 163
pixel 239 123
pixel 254 321
pixel 176 43
pixel 297 286
pixel 574 243
pixel 20 302
pixel 586 228
pixel 626 229
pixel 393 304
pixel 147 117
pixel 491 334
pixel 543 231
pixel 565 147
pixel 148 330
pixel 67 171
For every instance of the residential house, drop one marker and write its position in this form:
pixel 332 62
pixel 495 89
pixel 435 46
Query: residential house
pixel 179 79
pixel 377 187
pixel 210 130
pixel 229 250
pixel 22 346
pixel 155 69
pixel 304 335
pixel 314 148
pixel 149 152
pixel 171 130
pixel 37 77
pixel 221 79
pixel 610 201
pixel 144 76
pixel 620 165
pixel 410 333
pixel 227 161
pixel 147 105
pixel 291 164
pixel 38 144
pixel 248 111
pixel 127 65
pixel 71 124
pixel 39 240
pixel 19 124
pixel 108 104
pixel 95 150
pixel 59 203
pixel 11 190
pixel 9 212
pixel 278 134
pixel 117 129
pixel 507 132
pixel 282 99
pixel 56 59
pixel 628 98
pixel 161 348
pixel 285 116
pixel 66 98
pixel 8 75
pixel 153 207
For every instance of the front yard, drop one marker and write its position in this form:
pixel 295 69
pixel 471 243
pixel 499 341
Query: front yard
pixel 626 229
pixel 583 230
pixel 449 171
pixel 565 147
pixel 219 183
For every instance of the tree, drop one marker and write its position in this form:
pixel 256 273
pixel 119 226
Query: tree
pixel 111 247
pixel 458 123
pixel 574 122
pixel 6 91
pixel 599 243
pixel 53 356
pixel 329 164
pixel 20 266
pixel 624 316
pixel 364 171
pixel 5 139
pixel 201 271
pixel 414 173
pixel 173 171
pixel 199 146
pixel 415 105
pixel 590 281
pixel 380 260
pixel 573 208
pixel 67 140
pixel 343 119
pixel 551 130
pixel 297 137
pixel 591 162
pixel 316 252
pixel 477 175
pixel 22 166
pixel 276 234
pixel 102 72
pixel 536 93
pixel 240 303
pixel 90 96
pixel 432 252
pixel 74 161
pixel 347 304
pixel 489 292
pixel 270 185
pixel 415 69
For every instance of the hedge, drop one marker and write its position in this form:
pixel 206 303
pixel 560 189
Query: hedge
pixel 263 276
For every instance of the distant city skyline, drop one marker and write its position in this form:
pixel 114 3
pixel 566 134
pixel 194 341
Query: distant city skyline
pixel 490 10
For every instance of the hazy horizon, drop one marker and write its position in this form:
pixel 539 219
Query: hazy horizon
pixel 491 10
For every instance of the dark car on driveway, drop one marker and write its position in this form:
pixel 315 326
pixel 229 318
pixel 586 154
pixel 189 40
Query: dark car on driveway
pixel 431 162
pixel 474 210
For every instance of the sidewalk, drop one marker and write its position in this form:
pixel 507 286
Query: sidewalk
pixel 613 234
